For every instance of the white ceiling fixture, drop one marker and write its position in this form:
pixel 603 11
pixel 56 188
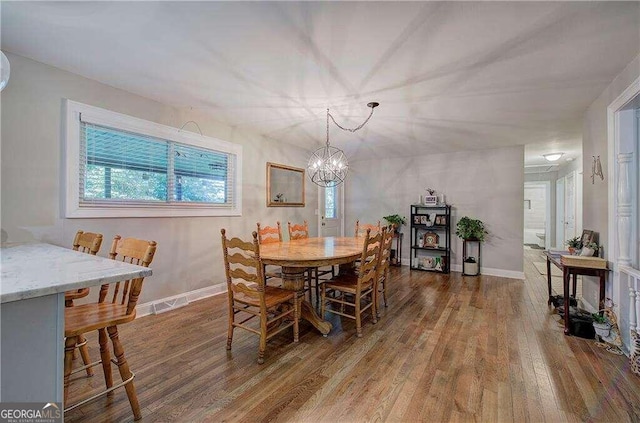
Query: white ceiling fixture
pixel 328 166
pixel 552 157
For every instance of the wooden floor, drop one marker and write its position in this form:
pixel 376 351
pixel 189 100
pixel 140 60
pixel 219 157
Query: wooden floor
pixel 446 349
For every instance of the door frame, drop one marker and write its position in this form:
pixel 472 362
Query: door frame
pixel 547 211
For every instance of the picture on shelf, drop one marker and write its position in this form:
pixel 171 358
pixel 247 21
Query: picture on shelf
pixel 423 220
pixel 441 219
pixel 431 239
pixel 430 200
pixel 416 220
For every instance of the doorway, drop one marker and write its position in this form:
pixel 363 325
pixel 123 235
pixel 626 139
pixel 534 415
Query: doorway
pixel 331 211
pixel 537 212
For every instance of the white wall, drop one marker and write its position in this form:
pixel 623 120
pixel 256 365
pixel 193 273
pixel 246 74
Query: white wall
pixel 189 254
pixel 595 196
pixel 484 184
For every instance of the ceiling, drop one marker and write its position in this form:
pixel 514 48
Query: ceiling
pixel 449 76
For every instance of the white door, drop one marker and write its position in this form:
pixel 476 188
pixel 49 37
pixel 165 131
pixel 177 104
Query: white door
pixel 331 213
pixel 560 213
pixel 569 206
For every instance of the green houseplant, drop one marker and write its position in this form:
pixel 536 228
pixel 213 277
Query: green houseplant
pixel 601 324
pixel 396 220
pixel 468 228
pixel 573 244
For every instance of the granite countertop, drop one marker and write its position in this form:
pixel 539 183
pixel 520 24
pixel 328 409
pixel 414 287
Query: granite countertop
pixel 35 270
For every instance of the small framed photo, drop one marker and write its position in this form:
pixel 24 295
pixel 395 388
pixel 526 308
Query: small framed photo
pixel 416 220
pixel 423 220
pixel 441 219
pixel 430 200
pixel 587 237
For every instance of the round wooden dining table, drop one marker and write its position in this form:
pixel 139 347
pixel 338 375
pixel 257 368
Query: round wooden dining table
pixel 298 255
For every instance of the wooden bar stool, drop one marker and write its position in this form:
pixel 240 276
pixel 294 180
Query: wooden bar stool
pixel 105 316
pixel 90 243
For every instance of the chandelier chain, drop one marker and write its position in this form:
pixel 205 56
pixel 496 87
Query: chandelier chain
pixel 348 129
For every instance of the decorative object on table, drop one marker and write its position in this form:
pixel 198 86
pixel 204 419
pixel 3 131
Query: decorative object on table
pixel 587 237
pixel 573 244
pixel 438 244
pixel 431 199
pixel 396 220
pixel 471 231
pixel 5 71
pixel 596 170
pixel 328 166
pixel 431 239
pixel 589 250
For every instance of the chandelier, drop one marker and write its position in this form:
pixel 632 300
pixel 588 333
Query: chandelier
pixel 328 165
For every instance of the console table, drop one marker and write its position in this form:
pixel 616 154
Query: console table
pixel 567 272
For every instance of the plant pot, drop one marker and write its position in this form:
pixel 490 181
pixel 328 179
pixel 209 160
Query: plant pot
pixel 572 250
pixel 602 329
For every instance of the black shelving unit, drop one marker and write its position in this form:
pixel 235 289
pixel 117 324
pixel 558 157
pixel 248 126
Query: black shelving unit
pixel 422 256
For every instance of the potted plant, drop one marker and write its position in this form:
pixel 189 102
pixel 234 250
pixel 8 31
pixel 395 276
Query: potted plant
pixel 601 325
pixel 471 229
pixel 396 220
pixel 573 244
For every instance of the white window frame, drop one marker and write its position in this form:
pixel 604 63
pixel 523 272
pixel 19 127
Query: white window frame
pixel 71 166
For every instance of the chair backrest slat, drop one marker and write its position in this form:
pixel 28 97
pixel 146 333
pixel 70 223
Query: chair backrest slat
pixel 298 231
pixel 370 256
pixel 361 228
pixel 269 234
pixel 87 242
pixel 129 250
pixel 247 275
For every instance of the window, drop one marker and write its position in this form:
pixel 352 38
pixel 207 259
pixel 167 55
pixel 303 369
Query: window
pixel 118 166
pixel 330 203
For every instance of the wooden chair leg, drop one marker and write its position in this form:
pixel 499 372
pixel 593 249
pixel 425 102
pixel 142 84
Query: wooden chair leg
pixel 358 317
pixel 374 306
pixel 230 330
pixel 125 372
pixel 323 300
pixel 105 356
pixel 263 338
pixel 69 348
pixel 84 353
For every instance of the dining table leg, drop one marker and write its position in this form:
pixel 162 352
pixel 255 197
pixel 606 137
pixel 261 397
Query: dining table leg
pixel 293 278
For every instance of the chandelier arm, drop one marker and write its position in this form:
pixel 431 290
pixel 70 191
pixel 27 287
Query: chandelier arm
pixel 329 115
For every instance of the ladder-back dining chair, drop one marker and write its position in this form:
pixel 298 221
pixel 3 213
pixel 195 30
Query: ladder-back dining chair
pixel 269 235
pixel 90 243
pixel 248 294
pixel 383 266
pixel 105 316
pixel 351 290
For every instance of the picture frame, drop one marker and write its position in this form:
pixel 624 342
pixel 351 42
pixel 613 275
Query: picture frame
pixel 431 239
pixel 430 200
pixel 416 220
pixel 423 220
pixel 587 237
pixel 441 219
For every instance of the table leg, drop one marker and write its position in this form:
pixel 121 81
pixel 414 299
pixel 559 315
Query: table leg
pixel 293 278
pixel 565 282
pixel 602 286
pixel 549 279
pixel 575 284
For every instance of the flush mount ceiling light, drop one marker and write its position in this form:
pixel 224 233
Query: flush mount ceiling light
pixel 552 157
pixel 328 165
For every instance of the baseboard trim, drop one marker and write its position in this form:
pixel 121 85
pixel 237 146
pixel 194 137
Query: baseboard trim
pixel 198 294
pixel 489 271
